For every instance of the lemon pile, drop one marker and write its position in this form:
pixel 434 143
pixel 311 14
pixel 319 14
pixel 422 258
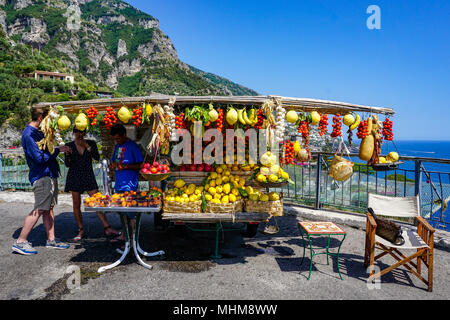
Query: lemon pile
pixel 256 195
pixel 222 187
pixel 183 193
pixel 270 171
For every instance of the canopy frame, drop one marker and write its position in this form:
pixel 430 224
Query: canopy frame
pixel 298 104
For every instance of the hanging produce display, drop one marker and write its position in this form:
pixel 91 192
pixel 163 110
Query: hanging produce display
pixel 323 124
pixel 92 114
pixel 336 126
pixel 81 121
pixel 387 130
pixel 352 122
pixel 50 128
pixel 110 118
pixel 124 114
pixel 137 116
pixel 239 186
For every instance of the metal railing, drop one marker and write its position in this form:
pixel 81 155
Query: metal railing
pixel 313 186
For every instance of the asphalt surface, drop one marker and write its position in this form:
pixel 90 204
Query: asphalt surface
pixel 262 267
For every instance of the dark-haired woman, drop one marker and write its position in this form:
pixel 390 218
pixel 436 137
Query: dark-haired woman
pixel 81 178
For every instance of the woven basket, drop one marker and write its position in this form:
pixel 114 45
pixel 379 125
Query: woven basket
pixel 272 184
pixel 232 207
pixel 274 208
pixel 386 166
pixel 182 207
pixel 340 169
pixel 155 177
pixel 190 177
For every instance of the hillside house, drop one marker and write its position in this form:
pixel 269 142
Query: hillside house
pixel 46 75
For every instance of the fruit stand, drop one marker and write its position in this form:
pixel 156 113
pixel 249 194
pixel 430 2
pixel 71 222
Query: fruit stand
pixel 183 137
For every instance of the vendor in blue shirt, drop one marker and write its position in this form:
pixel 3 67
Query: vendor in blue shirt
pixel 126 161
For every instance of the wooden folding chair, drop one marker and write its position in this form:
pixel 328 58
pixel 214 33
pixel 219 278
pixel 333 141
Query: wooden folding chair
pixel 420 241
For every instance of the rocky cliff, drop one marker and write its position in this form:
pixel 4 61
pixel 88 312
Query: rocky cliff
pixel 111 43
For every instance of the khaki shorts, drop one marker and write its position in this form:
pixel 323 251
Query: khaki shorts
pixel 45 193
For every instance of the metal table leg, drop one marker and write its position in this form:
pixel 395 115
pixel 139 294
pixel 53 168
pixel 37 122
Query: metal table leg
pixel 138 247
pixel 124 253
pixel 136 244
pixel 312 255
pixel 337 256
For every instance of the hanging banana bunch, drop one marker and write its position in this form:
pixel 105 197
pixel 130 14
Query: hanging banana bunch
pixel 49 127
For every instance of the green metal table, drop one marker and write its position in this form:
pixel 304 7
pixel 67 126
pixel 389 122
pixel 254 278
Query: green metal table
pixel 321 229
pixel 217 219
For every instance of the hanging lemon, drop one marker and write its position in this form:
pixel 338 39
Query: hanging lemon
pixel 213 115
pixel 81 122
pixel 148 109
pixel 315 118
pixel 232 116
pixel 348 120
pixel 64 123
pixel 297 147
pixel 124 114
pixel 291 116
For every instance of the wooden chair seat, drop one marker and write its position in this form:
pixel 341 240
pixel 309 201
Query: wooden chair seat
pixel 412 241
pixel 421 242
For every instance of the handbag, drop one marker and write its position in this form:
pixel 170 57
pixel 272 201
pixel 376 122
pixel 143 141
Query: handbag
pixel 388 230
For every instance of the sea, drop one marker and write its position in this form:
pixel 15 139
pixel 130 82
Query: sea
pixel 438 173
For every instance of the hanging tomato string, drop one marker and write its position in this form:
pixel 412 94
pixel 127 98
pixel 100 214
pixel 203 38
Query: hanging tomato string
pixel 387 130
pixel 179 122
pixel 336 126
pixel 323 125
pixel 288 153
pixel 92 114
pixel 219 122
pixel 260 116
pixel 110 117
pixel 363 130
pixel 137 116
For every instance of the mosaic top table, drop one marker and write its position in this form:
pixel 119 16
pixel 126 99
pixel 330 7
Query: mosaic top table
pixel 321 229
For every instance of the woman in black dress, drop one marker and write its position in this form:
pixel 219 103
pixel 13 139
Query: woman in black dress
pixel 81 178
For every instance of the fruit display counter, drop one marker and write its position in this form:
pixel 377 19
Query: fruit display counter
pixel 218 159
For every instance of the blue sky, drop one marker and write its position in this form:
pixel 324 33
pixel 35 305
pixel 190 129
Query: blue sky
pixel 324 50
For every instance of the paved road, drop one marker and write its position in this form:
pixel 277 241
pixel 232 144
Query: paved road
pixel 263 267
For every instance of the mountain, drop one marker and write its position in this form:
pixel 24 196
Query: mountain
pixel 112 44
pixel 18 91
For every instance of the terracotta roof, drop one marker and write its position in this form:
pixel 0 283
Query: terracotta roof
pixel 47 73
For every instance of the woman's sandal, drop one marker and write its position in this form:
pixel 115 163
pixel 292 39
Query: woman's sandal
pixel 80 235
pixel 117 239
pixel 112 234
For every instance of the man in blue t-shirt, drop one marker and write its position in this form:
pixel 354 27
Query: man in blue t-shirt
pixel 126 161
pixel 43 176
